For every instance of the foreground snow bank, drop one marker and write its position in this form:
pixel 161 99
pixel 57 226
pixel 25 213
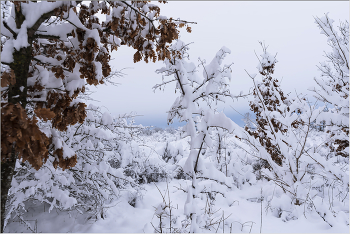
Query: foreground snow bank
pixel 242 211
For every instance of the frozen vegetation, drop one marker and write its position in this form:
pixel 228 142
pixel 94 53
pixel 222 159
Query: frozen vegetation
pixel 69 167
pixel 275 174
pixel 153 161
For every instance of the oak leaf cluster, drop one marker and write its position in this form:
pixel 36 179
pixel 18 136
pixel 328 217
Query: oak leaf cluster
pixel 70 43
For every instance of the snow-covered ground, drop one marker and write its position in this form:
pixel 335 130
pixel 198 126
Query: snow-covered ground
pixel 241 208
pixel 245 215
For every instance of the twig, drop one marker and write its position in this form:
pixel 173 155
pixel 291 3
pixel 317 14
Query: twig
pixel 260 209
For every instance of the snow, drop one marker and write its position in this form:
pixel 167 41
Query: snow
pixel 74 85
pixel 241 205
pixel 117 11
pixel 22 37
pixel 107 118
pixel 30 19
pixel 67 151
pixel 6 53
pixel 200 178
pixel 59 30
pixel 122 218
pixel 29 9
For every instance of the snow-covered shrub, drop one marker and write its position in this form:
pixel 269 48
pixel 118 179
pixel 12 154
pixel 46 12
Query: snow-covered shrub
pixel 218 151
pixel 93 183
pixel 150 130
pixel 146 131
pixel 282 138
pixel 172 152
pixel 145 172
pixel 258 165
pixel 196 106
pixel 171 130
pixel 230 159
pixel 180 174
pixel 166 217
pixel 333 85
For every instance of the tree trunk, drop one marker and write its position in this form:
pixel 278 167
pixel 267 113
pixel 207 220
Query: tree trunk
pixel 7 171
pixel 17 93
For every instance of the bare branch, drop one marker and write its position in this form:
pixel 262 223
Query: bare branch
pixel 10 29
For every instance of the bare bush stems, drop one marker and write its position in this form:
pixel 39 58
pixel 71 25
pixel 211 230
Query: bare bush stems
pixel 164 212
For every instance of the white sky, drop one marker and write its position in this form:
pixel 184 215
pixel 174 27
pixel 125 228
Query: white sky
pixel 286 26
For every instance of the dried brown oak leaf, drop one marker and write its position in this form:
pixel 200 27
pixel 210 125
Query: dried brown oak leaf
pixel 23 134
pixel 8 78
pixel 63 163
pixel 44 113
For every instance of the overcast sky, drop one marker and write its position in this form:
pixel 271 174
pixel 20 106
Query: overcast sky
pixel 286 26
